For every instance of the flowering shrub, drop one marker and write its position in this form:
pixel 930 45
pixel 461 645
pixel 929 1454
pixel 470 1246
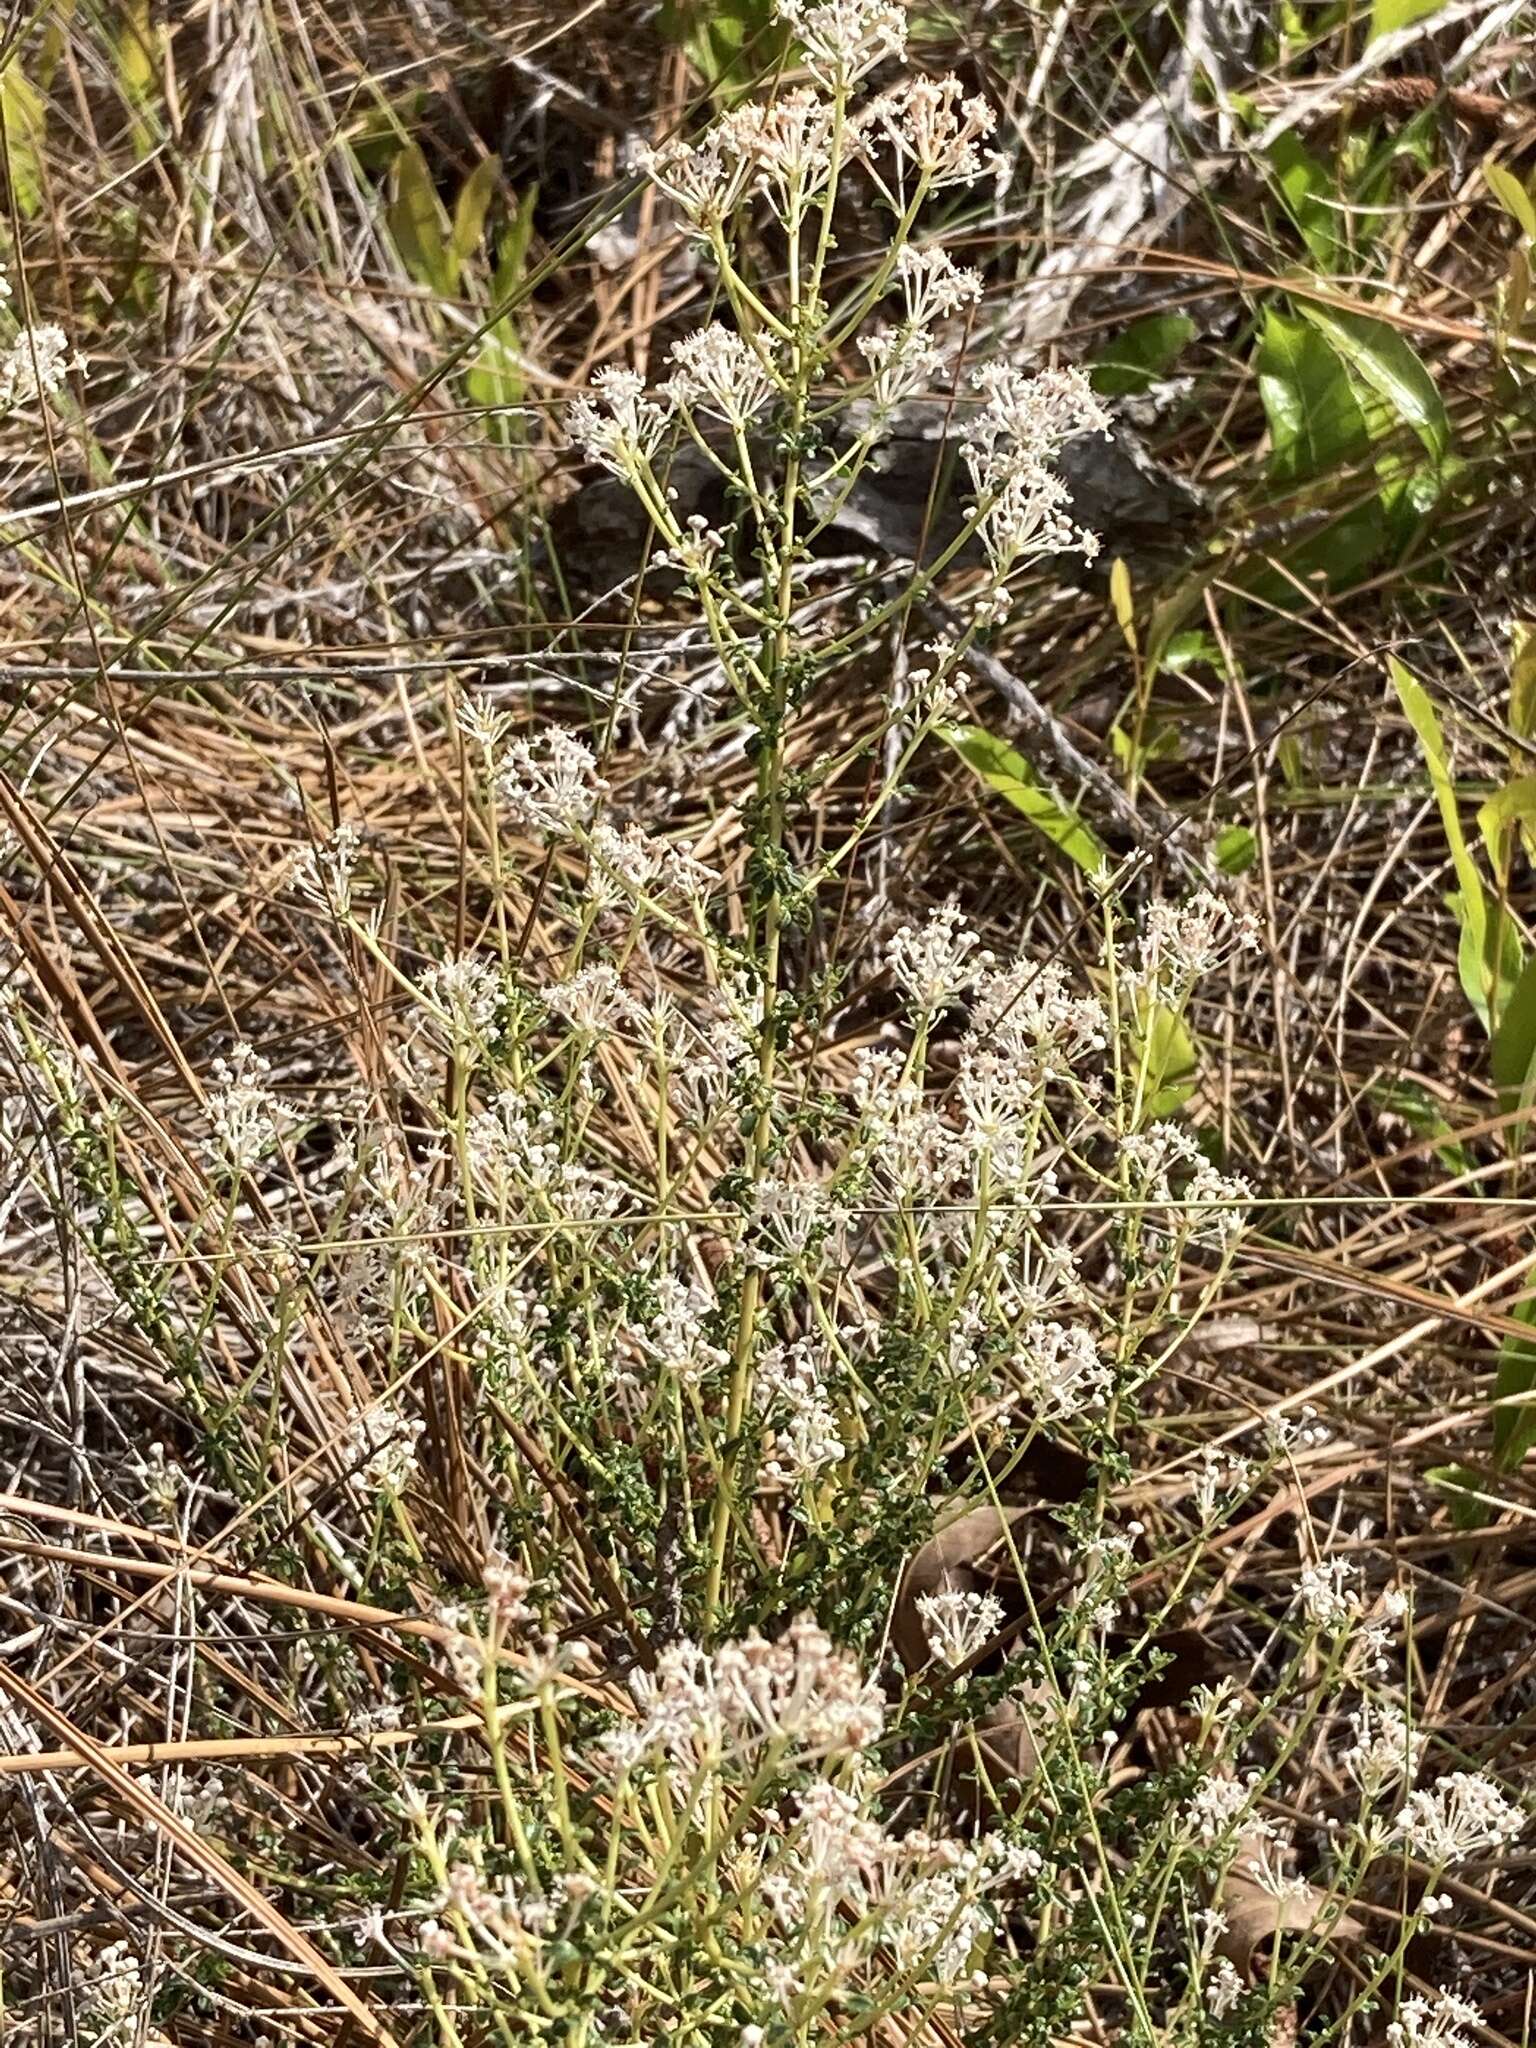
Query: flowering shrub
pixel 751 1267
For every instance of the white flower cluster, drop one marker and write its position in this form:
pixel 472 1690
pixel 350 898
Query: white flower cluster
pixel 1385 1749
pixel 784 149
pixel 1022 502
pixel 35 365
pixel 1028 1031
pixel 720 374
pixel 323 874
pixel 1180 942
pixel 935 1923
pixel 379 1449
pixel 553 788
pixel 593 1002
pixel 515 1149
pixel 113 1999
pixel 904 359
pixel 1216 1807
pixel 242 1108
pixel 469 989
pixel 498 1920
pixel 1223 1987
pixel 1460 1816
pixel 1028 1013
pixel 1211 1206
pixel 800 1691
pixel 673 1340
pixel 936 961
pixel 1061 1369
pixel 637 863
pixel 792 1382
pixel 1437 2022
pixel 934 128
pixel 841 40
pixel 958 1621
pixel 1329 1593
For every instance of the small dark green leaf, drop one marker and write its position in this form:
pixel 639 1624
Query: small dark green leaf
pixel 1142 356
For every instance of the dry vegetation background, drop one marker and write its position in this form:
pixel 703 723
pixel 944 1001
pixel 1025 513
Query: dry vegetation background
pixel 329 272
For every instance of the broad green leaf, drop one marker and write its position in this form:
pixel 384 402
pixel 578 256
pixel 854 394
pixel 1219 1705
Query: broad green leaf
pixel 1388 15
pixel 418 222
pixel 1514 1429
pixel 1387 363
pixel 1316 424
pixel 1512 1054
pixel 1236 850
pixel 1501 813
pixel 1512 196
pixel 496 377
pixel 1185 649
pixel 1160 741
pixel 1142 355
pixel 24 108
pixel 730 43
pixel 1305 185
pixel 1522 681
pixel 135 42
pixel 469 211
pixel 1461 1487
pixel 1169 1059
pixel 1003 769
pixel 1471 904
pixel 1122 602
pixel 1424 1117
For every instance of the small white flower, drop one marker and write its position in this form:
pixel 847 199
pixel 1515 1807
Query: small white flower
pixel 1215 1808
pixel 1062 1369
pixel 1328 1593
pixel 934 126
pixel 1181 942
pixel 469 989
pixel 594 1002
pixel 323 873
pixel 934 285
pixel 35 365
pixel 553 787
pixel 1457 1817
pixel 1437 2022
pixel 792 1380
pixel 1385 1749
pixel 379 1449
pixel 618 426
pixel 937 960
pixel 1223 1988
pixel 844 39
pixel 719 373
pixel 957 1622
pixel 242 1108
